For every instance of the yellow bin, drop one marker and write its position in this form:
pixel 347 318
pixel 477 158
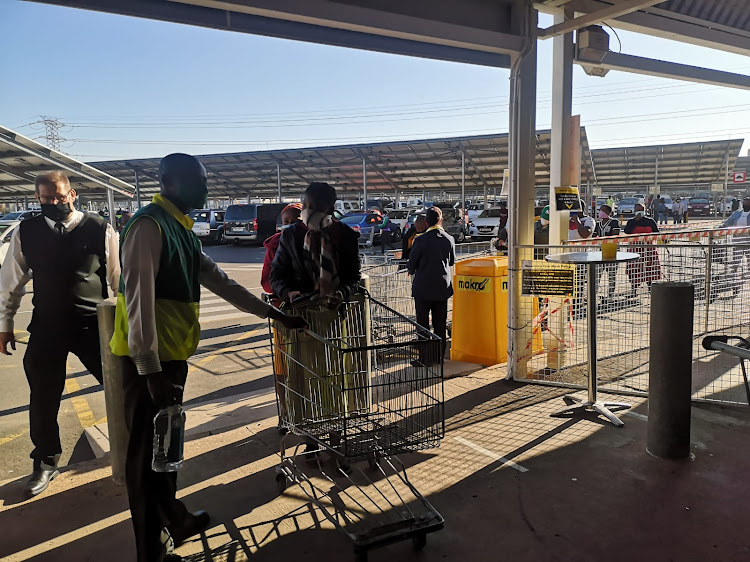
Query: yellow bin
pixel 480 311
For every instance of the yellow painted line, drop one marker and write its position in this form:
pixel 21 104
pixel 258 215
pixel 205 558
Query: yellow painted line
pixel 80 404
pixel 201 362
pixel 9 438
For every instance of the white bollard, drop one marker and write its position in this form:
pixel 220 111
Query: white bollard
pixel 113 392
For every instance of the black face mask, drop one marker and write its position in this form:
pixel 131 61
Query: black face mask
pixel 58 212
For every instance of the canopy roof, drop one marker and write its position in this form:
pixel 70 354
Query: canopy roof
pixel 434 166
pixel 22 159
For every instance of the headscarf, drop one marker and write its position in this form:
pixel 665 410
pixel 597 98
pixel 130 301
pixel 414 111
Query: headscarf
pixel 318 252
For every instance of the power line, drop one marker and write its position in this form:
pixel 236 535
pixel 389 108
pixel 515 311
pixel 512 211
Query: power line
pixel 52 127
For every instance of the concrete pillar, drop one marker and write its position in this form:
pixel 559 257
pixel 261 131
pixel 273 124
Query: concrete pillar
pixel 111 205
pixel 113 393
pixel 560 169
pixel 562 103
pixel 522 164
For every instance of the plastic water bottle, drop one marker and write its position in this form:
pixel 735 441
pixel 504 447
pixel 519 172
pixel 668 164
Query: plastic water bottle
pixel 169 439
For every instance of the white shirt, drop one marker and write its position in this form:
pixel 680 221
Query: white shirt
pixel 585 221
pixel 15 272
pixel 141 253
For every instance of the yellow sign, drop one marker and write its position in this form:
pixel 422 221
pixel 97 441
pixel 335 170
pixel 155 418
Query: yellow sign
pixel 567 199
pixel 474 284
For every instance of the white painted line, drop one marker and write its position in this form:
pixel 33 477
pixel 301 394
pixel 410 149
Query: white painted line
pixel 490 454
pixel 246 315
pixel 636 415
pixel 207 310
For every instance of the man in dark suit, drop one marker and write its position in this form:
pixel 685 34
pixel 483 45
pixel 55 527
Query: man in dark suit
pixel 430 261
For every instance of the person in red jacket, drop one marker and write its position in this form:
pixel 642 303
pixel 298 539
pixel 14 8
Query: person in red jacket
pixel 289 216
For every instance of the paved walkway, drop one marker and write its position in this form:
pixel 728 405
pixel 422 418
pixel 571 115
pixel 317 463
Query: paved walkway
pixel 511 482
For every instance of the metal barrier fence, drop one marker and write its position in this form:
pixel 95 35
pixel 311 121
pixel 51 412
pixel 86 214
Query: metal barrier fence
pixel 714 261
pixel 391 284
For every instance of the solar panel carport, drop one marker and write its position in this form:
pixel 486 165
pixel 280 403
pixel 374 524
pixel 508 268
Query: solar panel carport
pixel 434 166
pixel 409 167
pixel 22 159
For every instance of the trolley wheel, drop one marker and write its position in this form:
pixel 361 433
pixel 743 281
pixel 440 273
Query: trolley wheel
pixel 372 461
pixel 419 541
pixel 281 481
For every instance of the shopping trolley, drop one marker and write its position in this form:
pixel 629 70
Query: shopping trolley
pixel 362 383
pixel 741 351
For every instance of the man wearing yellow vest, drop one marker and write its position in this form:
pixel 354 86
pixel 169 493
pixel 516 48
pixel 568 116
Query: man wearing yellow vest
pixel 156 331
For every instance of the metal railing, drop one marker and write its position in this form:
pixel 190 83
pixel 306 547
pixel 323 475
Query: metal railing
pixel 716 262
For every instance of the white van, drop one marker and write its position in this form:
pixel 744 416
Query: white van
pixel 345 207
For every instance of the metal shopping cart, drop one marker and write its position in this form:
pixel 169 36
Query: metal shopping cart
pixel 363 383
pixel 741 351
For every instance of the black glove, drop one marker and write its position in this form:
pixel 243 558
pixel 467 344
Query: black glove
pixel 293 322
pixel 163 392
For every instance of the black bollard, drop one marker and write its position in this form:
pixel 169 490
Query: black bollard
pixel 670 370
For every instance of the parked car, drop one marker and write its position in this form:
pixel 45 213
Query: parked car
pixel 20 215
pixel 626 206
pixel 399 217
pixel 728 204
pixel 452 223
pixel 345 207
pixel 474 211
pixel 367 224
pixel 700 207
pixel 209 225
pixel 6 231
pixel 487 224
pixel 252 222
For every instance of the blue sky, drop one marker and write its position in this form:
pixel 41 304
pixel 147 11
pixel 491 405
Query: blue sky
pixel 130 88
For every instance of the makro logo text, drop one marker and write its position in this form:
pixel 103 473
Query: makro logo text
pixel 474 284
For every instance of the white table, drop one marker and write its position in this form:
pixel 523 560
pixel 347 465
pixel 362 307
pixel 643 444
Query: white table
pixel 591 260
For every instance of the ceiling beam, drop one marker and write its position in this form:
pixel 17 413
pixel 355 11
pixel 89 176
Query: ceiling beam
pixel 479 174
pixel 673 70
pixel 614 11
pixel 667 26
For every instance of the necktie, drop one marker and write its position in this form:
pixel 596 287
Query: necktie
pixel 60 227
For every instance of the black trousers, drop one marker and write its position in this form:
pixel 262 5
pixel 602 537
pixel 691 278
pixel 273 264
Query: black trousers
pixel 439 310
pixel 153 505
pixel 44 363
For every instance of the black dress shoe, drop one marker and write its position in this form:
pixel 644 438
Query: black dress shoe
pixel 40 479
pixel 193 524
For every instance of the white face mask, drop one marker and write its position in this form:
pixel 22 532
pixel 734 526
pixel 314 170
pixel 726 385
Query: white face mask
pixel 639 213
pixel 315 220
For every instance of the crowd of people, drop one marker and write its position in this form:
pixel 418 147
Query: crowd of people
pixel 156 267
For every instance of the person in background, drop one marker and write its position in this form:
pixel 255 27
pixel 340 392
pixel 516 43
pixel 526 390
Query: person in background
pixel 608 226
pixel 289 216
pixel 432 256
pixel 677 213
pixel 387 228
pixel 316 271
pixel 735 204
pixel 317 254
pixel 661 210
pixel 71 257
pixel 156 331
pixel 124 218
pixel 610 202
pixel 581 226
pixel 739 217
pixel 645 269
pixel 417 228
pixel 503 214
pixel 541 234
